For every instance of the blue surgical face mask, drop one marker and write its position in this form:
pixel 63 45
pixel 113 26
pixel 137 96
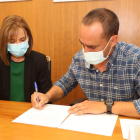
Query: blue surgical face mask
pixel 96 57
pixel 18 50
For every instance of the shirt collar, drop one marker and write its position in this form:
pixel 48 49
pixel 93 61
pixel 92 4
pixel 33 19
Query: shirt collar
pixel 113 56
pixel 89 66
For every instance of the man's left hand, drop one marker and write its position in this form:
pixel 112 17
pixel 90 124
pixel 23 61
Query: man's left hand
pixel 91 107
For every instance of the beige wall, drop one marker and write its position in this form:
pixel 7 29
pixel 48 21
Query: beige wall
pixel 55 28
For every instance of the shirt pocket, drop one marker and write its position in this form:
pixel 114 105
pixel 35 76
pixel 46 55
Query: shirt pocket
pixel 123 88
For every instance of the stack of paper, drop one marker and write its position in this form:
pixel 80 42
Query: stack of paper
pixel 126 125
pixel 134 132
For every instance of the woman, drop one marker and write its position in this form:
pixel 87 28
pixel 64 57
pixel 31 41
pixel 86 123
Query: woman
pixel 20 66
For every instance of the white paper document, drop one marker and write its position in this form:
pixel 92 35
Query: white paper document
pixel 75 0
pixel 12 0
pixel 57 116
pixel 125 126
pixel 134 132
pixel 102 124
pixel 68 0
pixel 51 115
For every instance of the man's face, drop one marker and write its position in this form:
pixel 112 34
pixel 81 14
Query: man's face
pixel 91 37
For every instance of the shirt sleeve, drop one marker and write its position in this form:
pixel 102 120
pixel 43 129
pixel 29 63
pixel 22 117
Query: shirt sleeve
pixel 137 87
pixel 68 81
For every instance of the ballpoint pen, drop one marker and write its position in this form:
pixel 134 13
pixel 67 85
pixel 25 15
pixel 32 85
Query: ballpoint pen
pixel 36 90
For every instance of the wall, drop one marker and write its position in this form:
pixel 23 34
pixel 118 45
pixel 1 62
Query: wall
pixel 55 28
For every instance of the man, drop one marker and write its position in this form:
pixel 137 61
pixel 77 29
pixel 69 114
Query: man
pixel 108 71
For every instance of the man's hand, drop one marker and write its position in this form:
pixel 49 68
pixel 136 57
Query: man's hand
pixel 87 106
pixel 43 99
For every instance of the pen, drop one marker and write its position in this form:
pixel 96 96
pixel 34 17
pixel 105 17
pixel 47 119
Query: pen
pixel 36 90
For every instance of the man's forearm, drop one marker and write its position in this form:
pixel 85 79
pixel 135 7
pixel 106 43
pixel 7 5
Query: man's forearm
pixel 125 109
pixel 55 93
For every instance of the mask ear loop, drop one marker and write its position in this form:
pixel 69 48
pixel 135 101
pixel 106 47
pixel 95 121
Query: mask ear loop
pixel 106 46
pixel 83 48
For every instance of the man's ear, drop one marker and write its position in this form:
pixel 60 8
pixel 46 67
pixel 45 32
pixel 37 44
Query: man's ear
pixel 114 40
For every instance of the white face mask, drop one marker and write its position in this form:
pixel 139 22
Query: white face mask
pixel 96 57
pixel 18 50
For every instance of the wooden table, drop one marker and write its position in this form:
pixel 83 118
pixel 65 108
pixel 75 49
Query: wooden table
pixel 16 131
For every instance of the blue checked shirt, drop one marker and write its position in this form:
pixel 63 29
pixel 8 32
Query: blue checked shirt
pixel 119 82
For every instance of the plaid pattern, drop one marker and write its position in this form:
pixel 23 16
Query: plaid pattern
pixel 120 82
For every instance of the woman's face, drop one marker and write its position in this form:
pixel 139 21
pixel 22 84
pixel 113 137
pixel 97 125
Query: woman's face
pixel 20 36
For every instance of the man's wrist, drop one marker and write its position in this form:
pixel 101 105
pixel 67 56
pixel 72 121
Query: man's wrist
pixel 109 103
pixel 103 107
pixel 47 97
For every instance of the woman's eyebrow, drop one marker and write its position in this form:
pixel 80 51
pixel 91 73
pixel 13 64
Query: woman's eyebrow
pixel 11 39
pixel 23 37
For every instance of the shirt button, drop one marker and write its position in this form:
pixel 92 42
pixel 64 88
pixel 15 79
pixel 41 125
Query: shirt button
pixel 101 85
pixel 115 87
